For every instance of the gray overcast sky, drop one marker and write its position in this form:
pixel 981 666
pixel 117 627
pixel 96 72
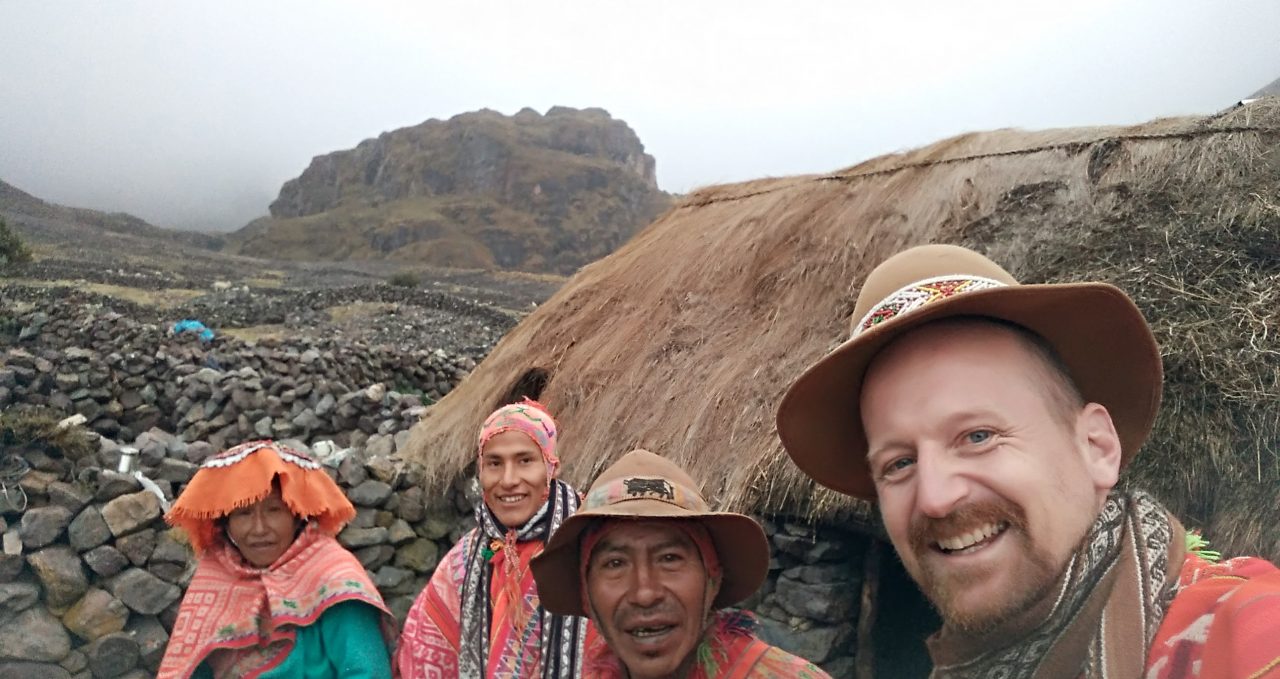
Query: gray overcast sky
pixel 193 113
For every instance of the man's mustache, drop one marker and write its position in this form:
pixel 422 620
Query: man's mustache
pixel 924 532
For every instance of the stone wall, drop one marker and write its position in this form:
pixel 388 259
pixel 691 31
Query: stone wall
pixel 810 603
pixel 126 377
pixel 91 577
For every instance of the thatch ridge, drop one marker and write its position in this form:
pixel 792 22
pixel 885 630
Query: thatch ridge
pixel 683 340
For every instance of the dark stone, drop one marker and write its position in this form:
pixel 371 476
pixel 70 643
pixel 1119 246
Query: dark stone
pixel 10 566
pixel 69 495
pixel 75 662
pixel 824 574
pixel 366 517
pixel 151 637
pixel 351 472
pixel 112 655
pixel 88 530
pixel 832 602
pixel 420 555
pixel 106 560
pixel 169 550
pixel 816 644
pixel 399 532
pixel 16 597
pixel 392 580
pixel 375 557
pixel 411 508
pixel 112 484
pixel 176 471
pixel 138 546
pixel 35 635
pixel 42 525
pixel 143 592
pixel 32 670
pixel 353 538
pixel 61 573
pixel 198 451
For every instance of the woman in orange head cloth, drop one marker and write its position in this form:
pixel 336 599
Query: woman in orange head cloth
pixel 274 595
pixel 479 617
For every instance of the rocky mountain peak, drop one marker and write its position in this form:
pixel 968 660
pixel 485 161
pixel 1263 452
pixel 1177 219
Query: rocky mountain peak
pixel 533 192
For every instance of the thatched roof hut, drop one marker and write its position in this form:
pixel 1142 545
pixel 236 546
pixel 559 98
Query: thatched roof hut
pixel 684 340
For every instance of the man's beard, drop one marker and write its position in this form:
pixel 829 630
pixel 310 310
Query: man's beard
pixel 1030 579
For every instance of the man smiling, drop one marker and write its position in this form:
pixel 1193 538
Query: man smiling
pixel 990 422
pixel 652 566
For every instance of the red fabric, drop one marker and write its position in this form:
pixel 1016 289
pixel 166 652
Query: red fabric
pixel 728 651
pixel 252 614
pixel 431 640
pixel 1224 623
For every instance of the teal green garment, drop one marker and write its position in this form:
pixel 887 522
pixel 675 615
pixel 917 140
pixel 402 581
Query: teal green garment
pixel 345 643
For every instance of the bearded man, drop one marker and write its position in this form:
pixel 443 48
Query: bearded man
pixel 990 421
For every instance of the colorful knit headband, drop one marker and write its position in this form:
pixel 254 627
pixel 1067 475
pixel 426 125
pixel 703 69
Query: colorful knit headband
pixel 530 418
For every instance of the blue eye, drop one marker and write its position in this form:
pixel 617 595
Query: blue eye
pixel 896 467
pixel 979 436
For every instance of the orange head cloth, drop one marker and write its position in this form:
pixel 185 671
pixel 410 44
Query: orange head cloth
pixel 243 475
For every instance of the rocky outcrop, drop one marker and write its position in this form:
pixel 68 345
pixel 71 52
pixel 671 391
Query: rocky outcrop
pixel 529 192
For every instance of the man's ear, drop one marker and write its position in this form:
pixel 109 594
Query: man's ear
pixel 1100 446
pixel 713 590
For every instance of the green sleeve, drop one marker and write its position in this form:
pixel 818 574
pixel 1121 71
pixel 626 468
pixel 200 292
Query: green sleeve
pixel 353 641
pixel 202 672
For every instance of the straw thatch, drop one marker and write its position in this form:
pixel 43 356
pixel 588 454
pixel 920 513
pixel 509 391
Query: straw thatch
pixel 684 340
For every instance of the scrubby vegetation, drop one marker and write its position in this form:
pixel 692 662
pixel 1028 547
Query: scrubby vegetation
pixel 404 279
pixel 37 428
pixel 12 249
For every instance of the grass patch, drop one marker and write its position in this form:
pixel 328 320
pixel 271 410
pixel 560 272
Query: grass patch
pixel 255 333
pixel 163 299
pixel 266 279
pixel 358 310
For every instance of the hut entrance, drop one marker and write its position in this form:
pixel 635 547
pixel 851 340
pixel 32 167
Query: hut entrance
pixel 530 384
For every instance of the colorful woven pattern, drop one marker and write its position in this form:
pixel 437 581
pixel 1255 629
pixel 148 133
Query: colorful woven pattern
pixel 1224 623
pixel 921 294
pixel 243 620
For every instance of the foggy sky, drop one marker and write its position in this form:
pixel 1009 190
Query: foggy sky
pixel 192 114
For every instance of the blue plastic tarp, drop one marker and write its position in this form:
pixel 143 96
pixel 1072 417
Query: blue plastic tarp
pixel 190 325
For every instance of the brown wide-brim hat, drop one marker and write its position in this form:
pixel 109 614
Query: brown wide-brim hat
pixel 1101 336
pixel 644 486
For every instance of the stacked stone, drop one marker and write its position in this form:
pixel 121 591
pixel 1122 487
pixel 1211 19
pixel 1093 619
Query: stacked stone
pixel 91 577
pixel 123 386
pixel 810 603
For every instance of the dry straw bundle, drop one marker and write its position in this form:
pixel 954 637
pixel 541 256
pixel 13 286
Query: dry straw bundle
pixel 684 340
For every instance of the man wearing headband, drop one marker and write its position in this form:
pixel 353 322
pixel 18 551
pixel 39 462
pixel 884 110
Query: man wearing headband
pixel 479 617
pixel 990 422
pixel 653 568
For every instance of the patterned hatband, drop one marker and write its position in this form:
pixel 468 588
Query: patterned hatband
pixel 920 294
